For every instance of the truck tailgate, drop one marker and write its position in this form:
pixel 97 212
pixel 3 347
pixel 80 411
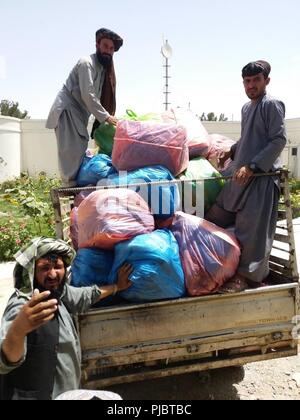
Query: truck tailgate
pixel 208 329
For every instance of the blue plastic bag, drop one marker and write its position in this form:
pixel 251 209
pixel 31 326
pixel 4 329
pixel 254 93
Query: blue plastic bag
pixel 93 169
pixel 91 266
pixel 157 270
pixel 163 200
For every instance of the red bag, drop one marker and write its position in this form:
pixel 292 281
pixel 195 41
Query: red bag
pixel 107 217
pixel 139 144
pixel 198 139
pixel 219 144
pixel 209 254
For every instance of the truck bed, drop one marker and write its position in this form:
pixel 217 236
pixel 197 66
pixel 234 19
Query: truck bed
pixel 131 342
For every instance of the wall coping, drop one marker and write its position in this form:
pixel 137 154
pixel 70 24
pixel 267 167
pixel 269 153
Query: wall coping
pixel 4 117
pixel 10 124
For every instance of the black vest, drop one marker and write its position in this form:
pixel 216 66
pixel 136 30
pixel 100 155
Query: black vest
pixel 34 379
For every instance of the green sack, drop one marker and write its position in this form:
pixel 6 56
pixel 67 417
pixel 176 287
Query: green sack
pixel 132 116
pixel 104 137
pixel 201 168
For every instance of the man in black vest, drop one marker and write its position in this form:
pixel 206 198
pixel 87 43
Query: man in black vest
pixel 40 354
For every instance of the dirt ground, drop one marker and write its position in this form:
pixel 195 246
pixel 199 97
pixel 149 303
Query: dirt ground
pixel 271 380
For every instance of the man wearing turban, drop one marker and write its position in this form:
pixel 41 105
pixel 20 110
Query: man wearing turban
pixel 40 355
pixel 89 90
pixel 250 203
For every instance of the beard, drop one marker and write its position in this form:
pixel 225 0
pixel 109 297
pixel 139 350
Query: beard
pixel 55 293
pixel 104 59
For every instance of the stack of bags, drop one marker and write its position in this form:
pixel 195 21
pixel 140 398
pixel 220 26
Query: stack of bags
pixel 184 255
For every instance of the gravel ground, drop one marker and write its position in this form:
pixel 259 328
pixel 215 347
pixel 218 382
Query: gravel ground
pixel 271 380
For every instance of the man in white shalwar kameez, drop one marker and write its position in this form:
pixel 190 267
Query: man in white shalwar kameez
pixel 89 90
pixel 251 203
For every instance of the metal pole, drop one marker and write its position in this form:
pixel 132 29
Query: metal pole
pixel 167 84
pixel 166 51
pixel 167 77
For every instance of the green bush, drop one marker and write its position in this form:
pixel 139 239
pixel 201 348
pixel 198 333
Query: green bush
pixel 295 200
pixel 27 212
pixel 294 185
pixel 13 234
pixel 295 197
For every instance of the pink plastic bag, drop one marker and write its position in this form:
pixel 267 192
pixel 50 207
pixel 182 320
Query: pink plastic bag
pixel 74 227
pixel 198 139
pixel 219 144
pixel 139 144
pixel 209 254
pixel 107 217
pixel 78 199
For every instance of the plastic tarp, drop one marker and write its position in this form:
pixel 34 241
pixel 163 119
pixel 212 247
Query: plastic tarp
pixel 139 144
pixel 198 139
pixel 209 254
pixel 201 168
pixel 107 217
pixel 94 169
pixel 157 270
pixel 163 200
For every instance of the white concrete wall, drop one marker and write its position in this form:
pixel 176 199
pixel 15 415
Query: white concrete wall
pixel 293 131
pixel 227 128
pixel 10 148
pixel 292 160
pixel 39 148
pixel 293 135
pixel 27 145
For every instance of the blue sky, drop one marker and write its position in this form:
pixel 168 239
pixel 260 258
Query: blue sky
pixel 42 40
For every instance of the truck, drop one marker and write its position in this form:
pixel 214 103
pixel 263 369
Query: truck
pixel 135 342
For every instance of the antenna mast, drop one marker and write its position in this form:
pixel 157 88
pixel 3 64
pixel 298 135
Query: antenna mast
pixel 166 51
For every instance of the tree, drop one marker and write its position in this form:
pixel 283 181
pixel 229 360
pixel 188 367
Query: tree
pixel 11 109
pixel 223 118
pixel 212 117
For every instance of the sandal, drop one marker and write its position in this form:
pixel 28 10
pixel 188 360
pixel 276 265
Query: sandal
pixel 235 285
